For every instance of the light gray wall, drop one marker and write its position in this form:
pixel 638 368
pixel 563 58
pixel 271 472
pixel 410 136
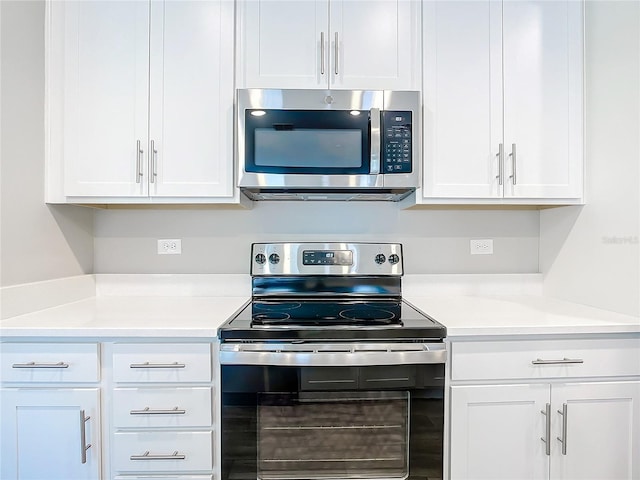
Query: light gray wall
pixel 36 242
pixel 218 241
pixel 591 254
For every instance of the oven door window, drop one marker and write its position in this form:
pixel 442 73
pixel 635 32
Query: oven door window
pixel 323 142
pixel 333 435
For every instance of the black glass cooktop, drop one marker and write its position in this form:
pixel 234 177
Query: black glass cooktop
pixel 330 319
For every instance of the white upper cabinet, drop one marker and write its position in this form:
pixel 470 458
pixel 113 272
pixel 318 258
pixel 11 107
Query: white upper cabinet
pixel 104 60
pixel 503 89
pixel 342 44
pixel 140 101
pixel 543 79
pixel 462 98
pixel 191 91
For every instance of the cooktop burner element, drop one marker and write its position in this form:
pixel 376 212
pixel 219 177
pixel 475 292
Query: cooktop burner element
pixel 314 312
pixel 328 291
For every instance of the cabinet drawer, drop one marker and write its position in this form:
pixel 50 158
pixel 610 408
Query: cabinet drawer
pixel 531 359
pixel 162 407
pixel 162 451
pixel 50 362
pixel 139 363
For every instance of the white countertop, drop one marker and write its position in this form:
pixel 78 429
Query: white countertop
pixel 195 306
pixel 159 316
pixel 127 317
pixel 471 315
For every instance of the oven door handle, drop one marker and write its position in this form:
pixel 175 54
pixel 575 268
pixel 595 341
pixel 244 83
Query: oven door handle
pixel 295 356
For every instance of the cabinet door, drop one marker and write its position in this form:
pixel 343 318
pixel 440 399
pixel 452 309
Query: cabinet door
pixel 42 434
pixel 374 45
pixel 602 432
pixel 462 98
pixel 283 44
pixel 543 64
pixel 106 53
pixel 191 106
pixel 496 432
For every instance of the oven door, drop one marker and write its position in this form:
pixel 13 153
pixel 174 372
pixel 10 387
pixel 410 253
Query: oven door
pixel 332 422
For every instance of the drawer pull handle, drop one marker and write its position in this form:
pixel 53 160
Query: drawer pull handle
pixel 147 456
pixel 564 361
pixel 157 365
pixel 83 437
pixel 148 411
pixel 400 379
pixel 40 365
pixel 331 381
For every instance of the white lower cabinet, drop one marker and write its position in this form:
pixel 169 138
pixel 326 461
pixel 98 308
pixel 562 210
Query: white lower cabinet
pixel 161 411
pixel 558 427
pixel 496 430
pixel 50 411
pixel 152 451
pixel 50 433
pixel 499 431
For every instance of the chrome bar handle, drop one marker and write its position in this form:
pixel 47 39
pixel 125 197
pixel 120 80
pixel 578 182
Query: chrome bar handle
pixel 564 361
pixel 375 141
pixel 154 153
pixel 157 365
pixel 139 153
pixel 547 428
pixel 149 411
pixel 513 163
pixel 563 440
pixel 83 436
pixel 147 456
pixel 337 51
pixel 40 365
pixel 321 53
pixel 500 156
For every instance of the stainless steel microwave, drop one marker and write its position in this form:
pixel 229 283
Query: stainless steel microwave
pixel 328 145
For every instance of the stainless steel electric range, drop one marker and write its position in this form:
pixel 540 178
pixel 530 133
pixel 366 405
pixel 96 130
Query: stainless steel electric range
pixel 327 372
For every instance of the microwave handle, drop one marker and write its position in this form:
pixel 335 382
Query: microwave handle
pixel 375 141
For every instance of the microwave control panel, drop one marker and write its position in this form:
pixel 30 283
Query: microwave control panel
pixel 396 142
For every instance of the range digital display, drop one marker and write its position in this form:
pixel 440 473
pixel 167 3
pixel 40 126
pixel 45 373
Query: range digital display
pixel 327 257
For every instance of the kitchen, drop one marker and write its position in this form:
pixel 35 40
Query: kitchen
pixel 588 255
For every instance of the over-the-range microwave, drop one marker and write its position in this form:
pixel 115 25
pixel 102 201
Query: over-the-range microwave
pixel 328 145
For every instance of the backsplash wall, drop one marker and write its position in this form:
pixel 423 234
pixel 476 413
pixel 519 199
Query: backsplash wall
pixel 218 240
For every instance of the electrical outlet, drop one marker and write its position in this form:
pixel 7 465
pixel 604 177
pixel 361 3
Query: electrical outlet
pixel 481 247
pixel 170 247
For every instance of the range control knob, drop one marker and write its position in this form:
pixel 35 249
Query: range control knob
pixel 260 259
pixel 393 259
pixel 380 259
pixel 274 258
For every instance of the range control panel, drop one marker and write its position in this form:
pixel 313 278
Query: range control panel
pixel 396 142
pixel 332 258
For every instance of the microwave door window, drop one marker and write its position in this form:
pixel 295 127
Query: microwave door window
pixel 307 142
pixel 306 148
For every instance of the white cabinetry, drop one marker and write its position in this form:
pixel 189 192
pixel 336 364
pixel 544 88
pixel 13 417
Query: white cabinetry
pixel 547 409
pixel 140 101
pixel 503 103
pixel 50 424
pixel 343 44
pixel 162 410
